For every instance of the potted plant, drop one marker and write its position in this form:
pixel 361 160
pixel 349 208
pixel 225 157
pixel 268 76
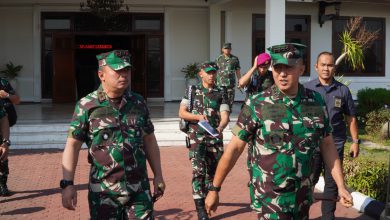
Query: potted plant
pixel 10 72
pixel 191 71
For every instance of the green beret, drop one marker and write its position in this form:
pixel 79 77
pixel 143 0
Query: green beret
pixel 287 54
pixel 208 66
pixel 116 59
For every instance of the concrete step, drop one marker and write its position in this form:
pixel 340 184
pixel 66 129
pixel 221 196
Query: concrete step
pixel 53 135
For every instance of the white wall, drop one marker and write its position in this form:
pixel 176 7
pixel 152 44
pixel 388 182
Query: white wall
pixel 16 45
pixel 186 41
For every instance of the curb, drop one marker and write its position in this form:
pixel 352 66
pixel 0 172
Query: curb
pixel 361 202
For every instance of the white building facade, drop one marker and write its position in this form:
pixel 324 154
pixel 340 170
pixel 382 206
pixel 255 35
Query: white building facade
pixel 166 35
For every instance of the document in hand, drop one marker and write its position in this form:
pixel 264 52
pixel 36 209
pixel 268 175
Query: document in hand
pixel 207 127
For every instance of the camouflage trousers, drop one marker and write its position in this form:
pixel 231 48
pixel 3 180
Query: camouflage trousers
pixel 4 170
pixel 302 214
pixel 105 206
pixel 204 160
pixel 230 93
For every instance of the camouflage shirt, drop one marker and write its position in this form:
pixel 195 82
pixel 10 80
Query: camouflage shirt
pixel 259 83
pixel 283 134
pixel 6 86
pixel 209 102
pixel 227 67
pixel 114 136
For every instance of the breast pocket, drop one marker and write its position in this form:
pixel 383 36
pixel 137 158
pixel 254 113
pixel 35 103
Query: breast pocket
pixel 104 142
pixel 276 137
pixel 314 125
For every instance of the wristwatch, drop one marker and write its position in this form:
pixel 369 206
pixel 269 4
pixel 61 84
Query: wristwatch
pixel 65 183
pixel 356 141
pixel 7 142
pixel 214 188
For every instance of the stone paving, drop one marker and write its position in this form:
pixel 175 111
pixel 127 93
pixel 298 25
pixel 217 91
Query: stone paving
pixel 35 175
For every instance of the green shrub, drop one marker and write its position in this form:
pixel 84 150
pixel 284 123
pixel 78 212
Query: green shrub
pixel 371 99
pixel 375 121
pixel 367 175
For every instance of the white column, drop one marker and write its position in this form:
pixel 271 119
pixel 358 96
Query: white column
pixel 36 23
pixel 215 31
pixel 275 16
pixel 167 55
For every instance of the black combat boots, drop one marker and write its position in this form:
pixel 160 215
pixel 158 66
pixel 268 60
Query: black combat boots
pixel 200 208
pixel 3 187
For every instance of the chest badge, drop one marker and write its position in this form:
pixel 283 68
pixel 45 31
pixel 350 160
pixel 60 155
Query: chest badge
pixel 337 102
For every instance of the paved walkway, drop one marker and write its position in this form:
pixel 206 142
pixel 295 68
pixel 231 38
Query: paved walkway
pixel 35 175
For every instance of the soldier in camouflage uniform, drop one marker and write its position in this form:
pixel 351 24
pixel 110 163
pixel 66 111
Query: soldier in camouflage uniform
pixel 228 70
pixel 258 78
pixel 284 124
pixel 7 96
pixel 209 103
pixel 4 149
pixel 115 124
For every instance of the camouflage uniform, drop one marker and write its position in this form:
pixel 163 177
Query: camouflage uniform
pixel 119 186
pixel 4 169
pixel 205 150
pixel 259 83
pixel 283 134
pixel 227 67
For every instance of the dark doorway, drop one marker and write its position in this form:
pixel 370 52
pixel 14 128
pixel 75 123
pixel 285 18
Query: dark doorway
pixel 86 65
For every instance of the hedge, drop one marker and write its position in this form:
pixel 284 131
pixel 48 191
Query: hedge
pixel 372 99
pixel 367 175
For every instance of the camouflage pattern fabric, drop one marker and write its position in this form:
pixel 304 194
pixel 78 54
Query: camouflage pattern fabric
pixel 227 67
pixel 6 86
pixel 283 134
pixel 204 160
pixel 230 97
pixel 259 83
pixel 205 150
pixel 114 137
pixel 4 170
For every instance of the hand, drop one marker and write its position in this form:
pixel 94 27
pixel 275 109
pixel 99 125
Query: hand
pixel 159 187
pixel 345 198
pixel 354 150
pixel 211 202
pixel 4 152
pixel 4 94
pixel 69 197
pixel 202 118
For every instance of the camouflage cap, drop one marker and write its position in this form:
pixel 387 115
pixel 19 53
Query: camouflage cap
pixel 227 46
pixel 287 54
pixel 208 66
pixel 116 59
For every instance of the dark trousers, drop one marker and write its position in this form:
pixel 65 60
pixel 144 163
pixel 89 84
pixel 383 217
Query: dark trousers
pixel 330 191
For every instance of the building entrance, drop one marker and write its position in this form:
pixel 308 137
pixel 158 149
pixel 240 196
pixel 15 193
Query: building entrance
pixel 85 66
pixel 71 41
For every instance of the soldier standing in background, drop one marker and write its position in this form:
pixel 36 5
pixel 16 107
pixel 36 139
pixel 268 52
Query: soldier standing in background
pixel 285 124
pixel 8 96
pixel 209 103
pixel 115 124
pixel 228 70
pixel 258 78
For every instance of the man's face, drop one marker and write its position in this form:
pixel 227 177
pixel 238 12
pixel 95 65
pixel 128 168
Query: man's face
pixel 325 67
pixel 287 77
pixel 262 69
pixel 115 81
pixel 226 51
pixel 209 77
